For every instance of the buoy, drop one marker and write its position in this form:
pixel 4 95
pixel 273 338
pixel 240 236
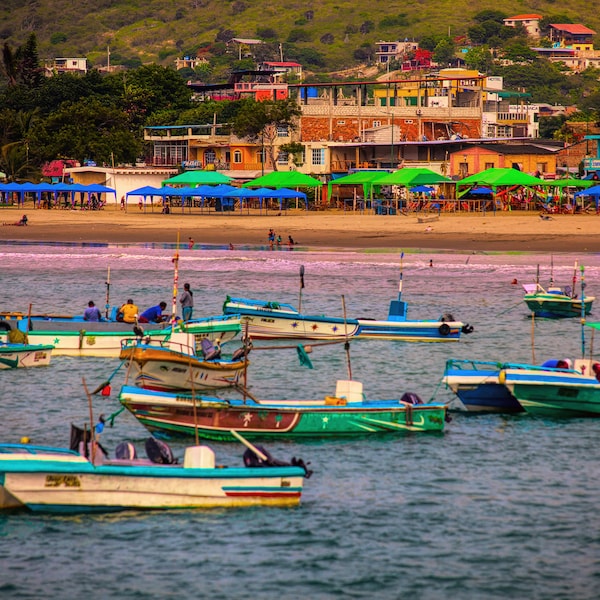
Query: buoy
pixel 25 440
pixel 106 390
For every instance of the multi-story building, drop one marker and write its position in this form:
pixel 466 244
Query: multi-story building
pixel 530 22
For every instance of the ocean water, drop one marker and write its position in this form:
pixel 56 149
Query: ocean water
pixel 495 507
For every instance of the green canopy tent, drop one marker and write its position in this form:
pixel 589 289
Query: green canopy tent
pixel 284 179
pixel 497 177
pixel 413 176
pixel 192 178
pixel 368 179
pixel 410 177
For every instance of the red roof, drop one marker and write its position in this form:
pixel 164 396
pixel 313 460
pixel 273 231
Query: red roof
pixel 56 168
pixel 283 64
pixel 574 28
pixel 523 18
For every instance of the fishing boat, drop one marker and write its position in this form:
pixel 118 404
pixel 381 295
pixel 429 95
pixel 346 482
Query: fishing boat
pixel 477 385
pixel 346 414
pixel 177 364
pixel 558 302
pixel 25 451
pixel 276 320
pixel 64 481
pixel 72 336
pixel 17 356
pixel 556 392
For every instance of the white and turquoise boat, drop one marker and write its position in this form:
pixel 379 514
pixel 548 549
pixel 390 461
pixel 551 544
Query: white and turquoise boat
pixel 62 481
pixel 72 336
pixel 18 356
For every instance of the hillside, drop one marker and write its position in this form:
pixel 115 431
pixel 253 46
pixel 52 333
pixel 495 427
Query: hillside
pixel 144 31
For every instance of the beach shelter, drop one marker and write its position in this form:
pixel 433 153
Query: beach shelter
pixel 195 178
pixel 413 176
pixel 144 192
pixel 496 177
pixel 288 179
pixel 592 192
pixel 368 179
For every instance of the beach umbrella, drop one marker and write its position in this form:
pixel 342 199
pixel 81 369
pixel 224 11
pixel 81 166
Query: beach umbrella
pixel 421 189
pixel 495 177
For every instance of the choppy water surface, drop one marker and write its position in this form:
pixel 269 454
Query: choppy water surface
pixel 495 507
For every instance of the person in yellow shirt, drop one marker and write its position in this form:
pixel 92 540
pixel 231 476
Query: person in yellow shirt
pixel 128 312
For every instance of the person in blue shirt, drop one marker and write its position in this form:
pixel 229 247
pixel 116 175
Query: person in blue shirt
pixel 92 313
pixel 153 314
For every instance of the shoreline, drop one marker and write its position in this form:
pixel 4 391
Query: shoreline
pixel 471 232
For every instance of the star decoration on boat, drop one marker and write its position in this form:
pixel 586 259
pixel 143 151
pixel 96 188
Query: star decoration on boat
pixel 315 327
pixel 334 329
pixel 295 324
pixel 247 417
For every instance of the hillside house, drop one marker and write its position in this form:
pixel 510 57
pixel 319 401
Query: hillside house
pixel 530 22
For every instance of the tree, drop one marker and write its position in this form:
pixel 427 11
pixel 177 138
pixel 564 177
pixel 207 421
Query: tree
pixel 444 52
pixel 260 121
pixel 29 70
pixel 479 58
pixel 86 129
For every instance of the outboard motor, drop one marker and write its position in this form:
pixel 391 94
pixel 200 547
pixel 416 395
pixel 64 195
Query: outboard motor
pixel 411 398
pixel 125 451
pixel 159 452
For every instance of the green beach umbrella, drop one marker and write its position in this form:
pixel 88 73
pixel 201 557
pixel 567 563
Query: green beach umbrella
pixel 197 178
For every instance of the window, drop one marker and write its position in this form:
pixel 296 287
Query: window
pixel 237 157
pixel 283 131
pixel 376 123
pixel 542 167
pixel 209 157
pixel 318 156
pixel 282 158
pixel 489 165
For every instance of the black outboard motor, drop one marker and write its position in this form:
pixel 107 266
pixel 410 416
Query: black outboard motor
pixel 411 398
pixel 251 459
pixel 159 452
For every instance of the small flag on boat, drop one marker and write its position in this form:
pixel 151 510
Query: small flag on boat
pixel 303 356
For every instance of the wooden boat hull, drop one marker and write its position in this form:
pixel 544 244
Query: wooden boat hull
pixel 554 393
pixel 158 368
pixel 104 339
pixel 77 486
pixel 557 306
pixel 477 386
pixel 213 418
pixel 16 356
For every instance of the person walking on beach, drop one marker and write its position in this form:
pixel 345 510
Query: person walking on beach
pixel 271 238
pixel 92 313
pixel 187 302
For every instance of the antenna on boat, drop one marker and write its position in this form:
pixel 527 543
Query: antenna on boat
pixel 347 343
pixel 175 261
pixel 107 292
pixel 582 312
pixel 301 288
pixel 537 278
pixel 551 270
pixel 574 280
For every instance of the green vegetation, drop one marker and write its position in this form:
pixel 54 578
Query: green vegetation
pixel 156 31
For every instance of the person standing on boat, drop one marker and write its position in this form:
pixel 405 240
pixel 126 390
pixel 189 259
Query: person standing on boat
pixel 128 312
pixel 92 313
pixel 154 314
pixel 187 302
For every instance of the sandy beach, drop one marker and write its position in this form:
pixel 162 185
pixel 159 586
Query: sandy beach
pixel 500 231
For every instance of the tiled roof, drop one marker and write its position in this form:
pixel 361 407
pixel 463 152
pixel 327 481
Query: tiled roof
pixel 575 28
pixel 523 18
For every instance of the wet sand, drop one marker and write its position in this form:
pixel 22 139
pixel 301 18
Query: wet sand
pixel 500 232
